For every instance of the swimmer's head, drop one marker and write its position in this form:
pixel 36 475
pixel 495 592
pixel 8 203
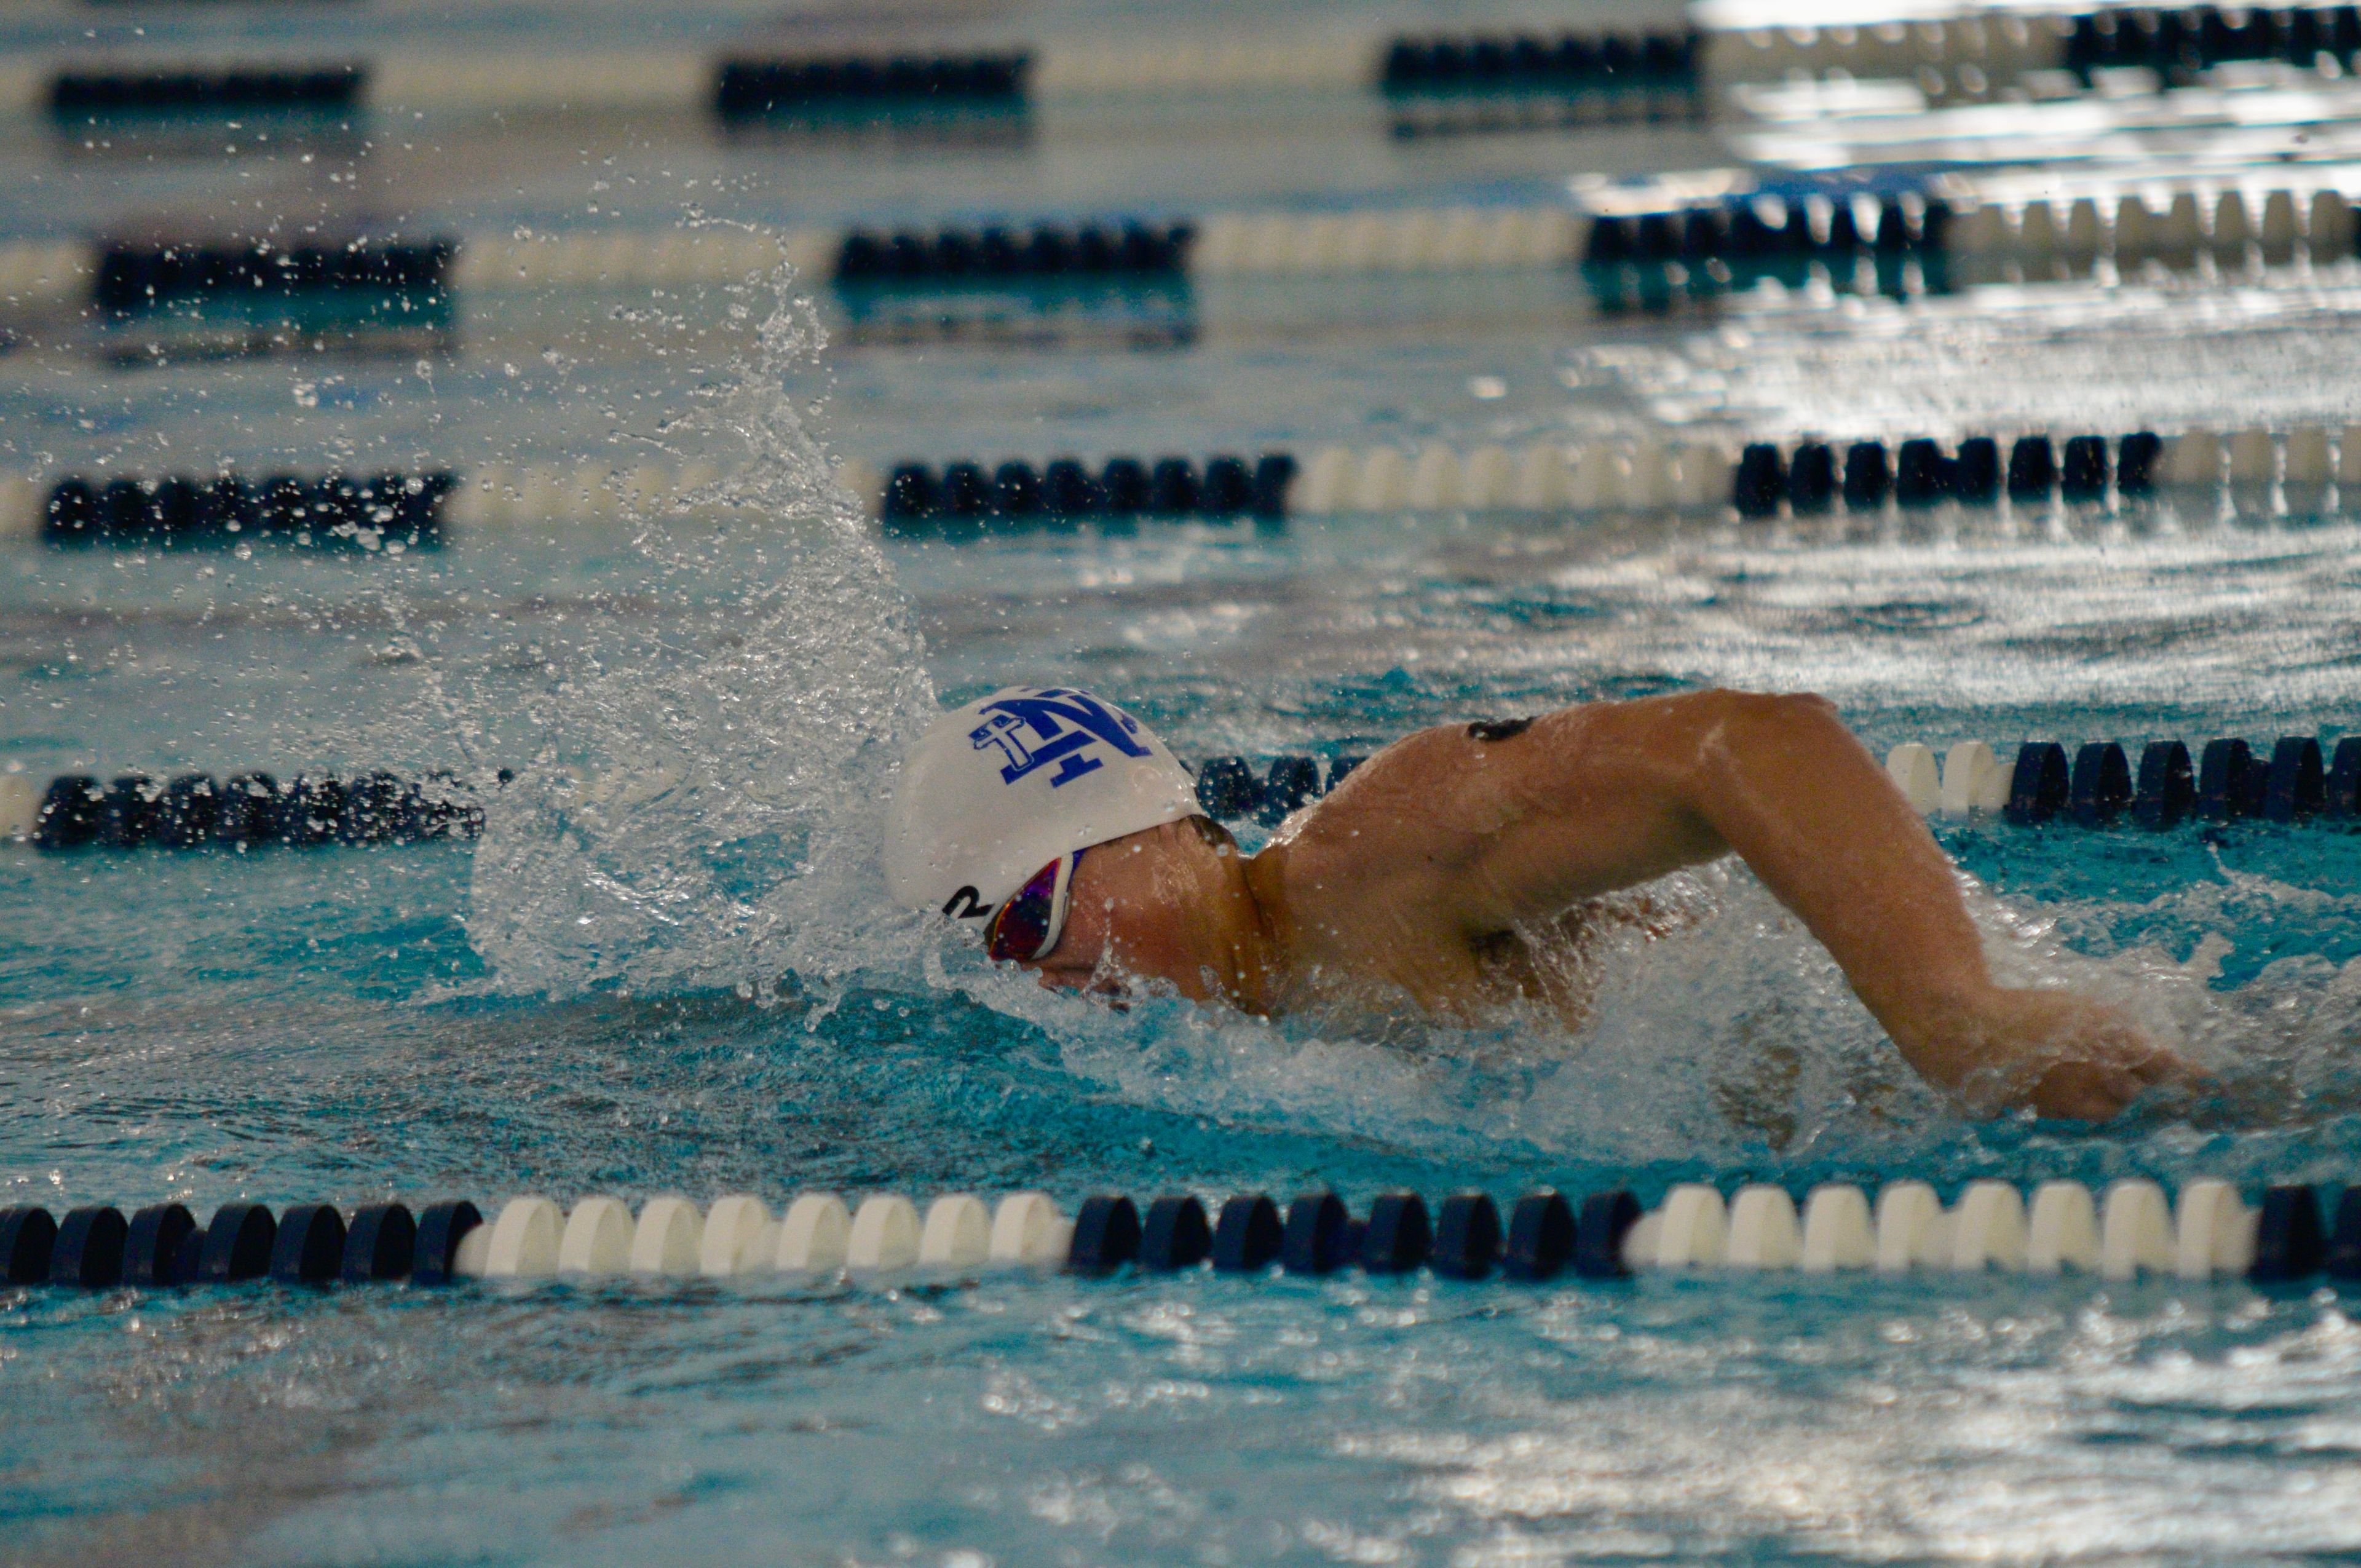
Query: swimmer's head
pixel 997 799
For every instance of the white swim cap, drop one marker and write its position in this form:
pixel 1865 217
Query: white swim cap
pixel 998 789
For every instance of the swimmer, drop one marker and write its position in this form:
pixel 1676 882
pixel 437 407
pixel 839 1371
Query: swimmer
pixel 1448 869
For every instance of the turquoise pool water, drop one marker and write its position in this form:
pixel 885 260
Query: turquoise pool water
pixel 668 966
pixel 288 1024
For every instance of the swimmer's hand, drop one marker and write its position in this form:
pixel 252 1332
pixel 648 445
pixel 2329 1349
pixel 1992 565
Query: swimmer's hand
pixel 2064 1056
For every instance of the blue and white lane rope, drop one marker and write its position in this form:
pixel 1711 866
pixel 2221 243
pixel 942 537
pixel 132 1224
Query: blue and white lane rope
pixel 2228 780
pixel 1985 53
pixel 744 86
pixel 2306 465
pixel 1974 56
pixel 1688 220
pixel 2131 1230
pixel 2294 779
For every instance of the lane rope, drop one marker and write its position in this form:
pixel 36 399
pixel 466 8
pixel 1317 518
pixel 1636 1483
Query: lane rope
pixel 739 85
pixel 1967 58
pixel 2131 1230
pixel 1962 226
pixel 2310 466
pixel 1979 56
pixel 2294 779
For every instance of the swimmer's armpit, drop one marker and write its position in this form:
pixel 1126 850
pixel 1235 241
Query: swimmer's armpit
pixel 1498 729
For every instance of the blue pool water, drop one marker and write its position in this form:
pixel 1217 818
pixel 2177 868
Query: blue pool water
pixel 669 967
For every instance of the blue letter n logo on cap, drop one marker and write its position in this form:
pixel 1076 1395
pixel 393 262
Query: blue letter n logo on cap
pixel 1054 726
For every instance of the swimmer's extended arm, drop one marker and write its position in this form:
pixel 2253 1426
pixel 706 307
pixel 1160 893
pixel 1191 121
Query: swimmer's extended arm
pixel 1505 831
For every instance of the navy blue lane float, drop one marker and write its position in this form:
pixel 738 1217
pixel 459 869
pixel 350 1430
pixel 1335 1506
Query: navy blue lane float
pixel 921 500
pixel 2230 781
pixel 90 1247
pixel 135 277
pixel 218 510
pixel 82 94
pixel 28 1238
pixel 1919 472
pixel 1247 1234
pixel 756 87
pixel 2181 44
pixel 2297 1234
pixel 1534 62
pixel 1230 790
pixel 308 1248
pixel 251 809
pixel 381 1241
pixel 163 1245
pixel 1457 83
pixel 951 257
pixel 1797 221
pixel 1175 1234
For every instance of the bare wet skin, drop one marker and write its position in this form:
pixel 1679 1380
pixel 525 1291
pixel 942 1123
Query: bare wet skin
pixel 1462 869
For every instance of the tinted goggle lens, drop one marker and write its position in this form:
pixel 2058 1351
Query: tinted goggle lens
pixel 1028 924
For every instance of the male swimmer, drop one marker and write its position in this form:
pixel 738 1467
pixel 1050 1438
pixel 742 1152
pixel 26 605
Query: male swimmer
pixel 1449 868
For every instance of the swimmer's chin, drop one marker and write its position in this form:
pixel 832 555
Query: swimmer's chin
pixel 1117 990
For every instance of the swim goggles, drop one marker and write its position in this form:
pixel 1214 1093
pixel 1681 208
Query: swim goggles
pixel 1028 926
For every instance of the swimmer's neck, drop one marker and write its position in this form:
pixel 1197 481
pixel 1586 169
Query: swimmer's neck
pixel 1258 931
pixel 1258 950
pixel 1273 955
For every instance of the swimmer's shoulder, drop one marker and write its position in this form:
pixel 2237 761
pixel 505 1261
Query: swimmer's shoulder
pixel 1420 760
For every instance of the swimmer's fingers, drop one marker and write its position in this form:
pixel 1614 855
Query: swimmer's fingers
pixel 2081 1091
pixel 2174 1082
pixel 2144 1065
pixel 2097 1088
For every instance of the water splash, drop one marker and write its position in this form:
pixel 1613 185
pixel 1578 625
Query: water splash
pixel 1736 1044
pixel 702 812
pixel 701 809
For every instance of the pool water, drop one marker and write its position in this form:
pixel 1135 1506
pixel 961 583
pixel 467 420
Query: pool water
pixel 669 967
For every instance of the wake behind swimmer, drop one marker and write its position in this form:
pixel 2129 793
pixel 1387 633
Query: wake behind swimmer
pixel 1450 866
